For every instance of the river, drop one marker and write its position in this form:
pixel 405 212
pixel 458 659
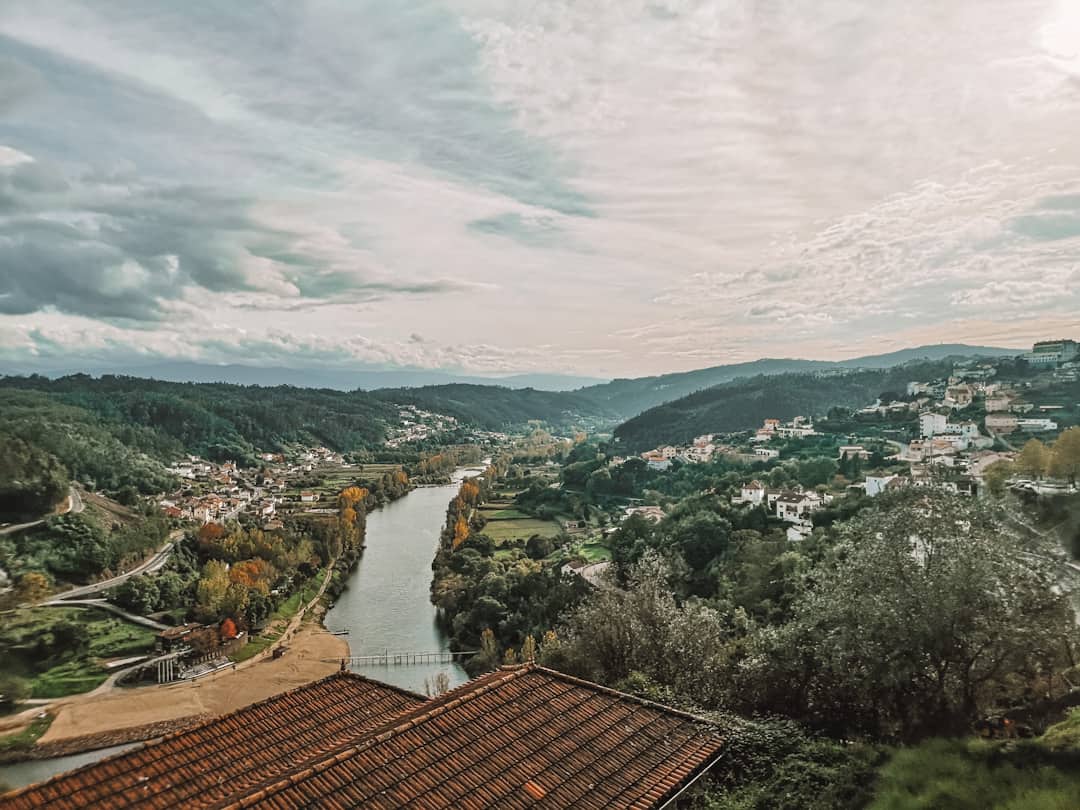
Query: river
pixel 386 606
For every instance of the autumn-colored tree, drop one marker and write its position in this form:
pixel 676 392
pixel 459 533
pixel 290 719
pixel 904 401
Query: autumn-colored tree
pixel 488 657
pixel 510 656
pixel 350 497
pixel 254 574
pixel 211 531
pixel 32 587
pixel 228 629
pixel 1033 459
pixel 528 649
pixel 461 532
pixel 1065 458
pixel 401 478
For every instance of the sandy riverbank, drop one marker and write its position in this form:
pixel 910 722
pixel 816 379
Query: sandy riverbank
pixel 313 653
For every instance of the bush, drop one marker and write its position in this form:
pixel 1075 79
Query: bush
pixel 979 775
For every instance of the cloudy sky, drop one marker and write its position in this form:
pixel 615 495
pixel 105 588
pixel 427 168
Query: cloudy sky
pixel 612 187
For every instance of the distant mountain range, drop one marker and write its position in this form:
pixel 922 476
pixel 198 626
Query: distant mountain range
pixel 336 379
pixel 632 396
pixel 507 399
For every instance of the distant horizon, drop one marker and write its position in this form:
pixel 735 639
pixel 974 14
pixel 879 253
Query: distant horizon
pixel 173 370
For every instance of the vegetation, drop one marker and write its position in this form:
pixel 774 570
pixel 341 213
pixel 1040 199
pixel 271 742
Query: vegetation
pixel 743 404
pixel 496 408
pixel 978 775
pixel 59 651
pixel 32 481
pixel 26 739
pixel 77 548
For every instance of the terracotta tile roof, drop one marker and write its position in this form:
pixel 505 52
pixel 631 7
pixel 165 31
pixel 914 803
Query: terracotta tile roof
pixel 284 731
pixel 519 737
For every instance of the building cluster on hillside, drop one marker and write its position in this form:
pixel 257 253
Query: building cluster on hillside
pixel 797 428
pixel 220 492
pixel 701 451
pixel 417 425
pixel 793 506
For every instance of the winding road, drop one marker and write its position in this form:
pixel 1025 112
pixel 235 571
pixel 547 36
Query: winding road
pixel 149 566
pixel 74 505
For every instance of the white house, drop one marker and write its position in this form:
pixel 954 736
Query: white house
pixel 794 507
pixel 1036 425
pixel 753 493
pixel 931 424
pixel 853 450
pixel 766 453
pixel 876 484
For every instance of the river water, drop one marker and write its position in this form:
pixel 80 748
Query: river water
pixel 386 607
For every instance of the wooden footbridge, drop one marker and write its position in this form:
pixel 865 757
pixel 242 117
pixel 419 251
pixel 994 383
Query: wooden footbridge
pixel 405 659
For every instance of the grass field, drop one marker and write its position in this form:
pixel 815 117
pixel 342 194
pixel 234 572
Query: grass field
pixel 594 552
pixel 513 529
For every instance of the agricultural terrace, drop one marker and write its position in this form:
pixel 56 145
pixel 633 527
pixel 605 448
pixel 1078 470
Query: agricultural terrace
pixel 64 651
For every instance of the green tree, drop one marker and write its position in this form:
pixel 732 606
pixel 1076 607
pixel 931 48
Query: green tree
pixel 137 595
pixel 12 690
pixel 997 475
pixel 926 613
pixel 211 590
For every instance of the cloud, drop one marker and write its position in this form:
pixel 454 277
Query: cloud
pixel 611 188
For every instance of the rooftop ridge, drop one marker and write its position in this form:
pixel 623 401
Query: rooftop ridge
pixel 202 724
pixel 403 722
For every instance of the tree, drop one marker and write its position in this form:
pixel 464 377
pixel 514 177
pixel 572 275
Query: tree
pixel 139 595
pixel 926 614
pixel 12 690
pixel 210 592
pixel 997 475
pixel 528 649
pixel 615 632
pixel 488 657
pixel 1065 458
pixel 1033 459
pixel 33 586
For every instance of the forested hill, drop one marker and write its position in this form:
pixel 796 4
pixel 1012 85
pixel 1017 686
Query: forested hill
pixel 495 408
pixel 743 404
pixel 630 397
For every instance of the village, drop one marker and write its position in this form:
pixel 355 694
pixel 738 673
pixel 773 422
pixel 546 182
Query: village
pixel 946 432
pixel 221 492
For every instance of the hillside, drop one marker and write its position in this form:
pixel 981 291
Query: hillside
pixel 743 404
pixel 630 397
pixel 338 379
pixel 496 408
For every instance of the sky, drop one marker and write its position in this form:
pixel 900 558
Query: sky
pixel 608 188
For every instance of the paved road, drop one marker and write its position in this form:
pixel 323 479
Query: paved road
pixel 74 504
pixel 104 604
pixel 150 566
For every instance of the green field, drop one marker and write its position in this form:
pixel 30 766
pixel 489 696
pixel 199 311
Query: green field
pixel 514 529
pixel 594 552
